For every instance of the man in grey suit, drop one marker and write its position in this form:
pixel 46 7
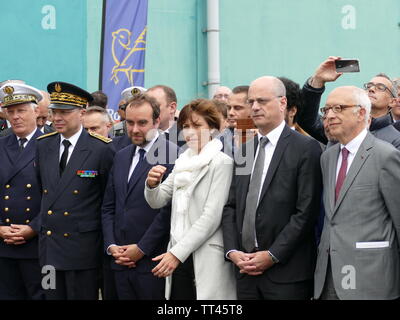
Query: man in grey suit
pixel 358 256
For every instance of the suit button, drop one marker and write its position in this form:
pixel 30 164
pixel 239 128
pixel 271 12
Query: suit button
pixel 8 220
pixel 29 186
pixel 8 186
pixel 75 192
pixel 66 213
pixel 27 209
pixel 28 198
pixel 48 233
pixel 327 250
pixel 6 209
pixel 6 197
pixel 45 191
pixel 27 221
pixel 49 212
pixel 66 235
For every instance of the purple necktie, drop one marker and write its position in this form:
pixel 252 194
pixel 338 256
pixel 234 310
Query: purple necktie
pixel 342 173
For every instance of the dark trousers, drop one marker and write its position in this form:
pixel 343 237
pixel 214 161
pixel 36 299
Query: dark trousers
pixel 183 281
pixel 20 279
pixel 262 288
pixel 75 285
pixel 136 285
pixel 107 280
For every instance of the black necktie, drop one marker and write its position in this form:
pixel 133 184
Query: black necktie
pixel 139 164
pixel 21 143
pixel 64 156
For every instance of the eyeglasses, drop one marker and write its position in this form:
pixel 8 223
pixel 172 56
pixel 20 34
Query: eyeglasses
pixel 221 96
pixel 261 101
pixel 379 86
pixel 337 108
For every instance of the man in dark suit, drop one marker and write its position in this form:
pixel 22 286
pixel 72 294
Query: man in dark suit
pixel 20 196
pixel 73 166
pixel 133 232
pixel 268 221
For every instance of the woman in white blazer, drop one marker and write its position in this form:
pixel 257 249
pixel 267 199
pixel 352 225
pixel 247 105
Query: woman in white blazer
pixel 194 265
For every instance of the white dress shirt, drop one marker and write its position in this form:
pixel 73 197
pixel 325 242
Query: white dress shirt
pixel 73 140
pixel 352 147
pixel 28 137
pixel 135 158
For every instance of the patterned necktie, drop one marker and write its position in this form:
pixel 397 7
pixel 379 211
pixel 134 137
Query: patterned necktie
pixel 64 156
pixel 342 173
pixel 249 221
pixel 21 142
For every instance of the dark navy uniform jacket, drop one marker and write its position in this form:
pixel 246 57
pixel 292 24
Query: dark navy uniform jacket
pixel 19 193
pixel 126 216
pixel 70 217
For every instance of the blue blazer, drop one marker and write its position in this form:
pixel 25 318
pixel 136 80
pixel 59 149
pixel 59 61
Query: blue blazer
pixel 20 194
pixel 70 216
pixel 126 216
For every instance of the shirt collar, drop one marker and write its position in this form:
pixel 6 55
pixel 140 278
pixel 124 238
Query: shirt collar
pixel 73 139
pixel 353 145
pixel 29 136
pixel 274 135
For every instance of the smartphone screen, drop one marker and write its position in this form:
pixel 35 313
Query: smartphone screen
pixel 347 65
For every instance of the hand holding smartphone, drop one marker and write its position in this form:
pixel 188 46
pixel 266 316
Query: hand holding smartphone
pixel 347 65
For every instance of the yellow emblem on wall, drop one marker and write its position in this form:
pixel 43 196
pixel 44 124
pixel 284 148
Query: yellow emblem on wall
pixel 122 39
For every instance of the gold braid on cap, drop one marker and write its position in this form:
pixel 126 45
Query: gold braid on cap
pixel 18 98
pixel 67 98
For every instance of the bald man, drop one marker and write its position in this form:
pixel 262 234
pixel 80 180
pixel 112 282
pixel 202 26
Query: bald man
pixel 222 93
pixel 274 200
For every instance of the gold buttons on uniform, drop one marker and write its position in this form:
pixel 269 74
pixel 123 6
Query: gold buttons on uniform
pixel 28 198
pixel 27 209
pixel 27 221
pixel 66 235
pixel 48 233
pixel 8 186
pixel 66 213
pixel 49 212
pixel 29 185
pixel 45 191
pixel 75 192
pixel 8 220
pixel 6 197
pixel 6 209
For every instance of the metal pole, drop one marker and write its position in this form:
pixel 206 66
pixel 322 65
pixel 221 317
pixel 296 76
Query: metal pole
pixel 213 46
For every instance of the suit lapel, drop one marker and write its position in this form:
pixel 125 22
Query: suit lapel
pixel 78 157
pixel 276 158
pixel 22 159
pixel 12 148
pixel 359 160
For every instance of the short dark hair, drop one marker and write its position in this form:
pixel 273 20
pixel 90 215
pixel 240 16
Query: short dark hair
pixel 99 99
pixel 241 89
pixel 204 108
pixel 293 95
pixel 140 99
pixel 169 92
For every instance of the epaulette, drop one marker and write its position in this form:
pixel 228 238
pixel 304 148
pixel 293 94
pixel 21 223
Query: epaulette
pixel 47 135
pixel 100 137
